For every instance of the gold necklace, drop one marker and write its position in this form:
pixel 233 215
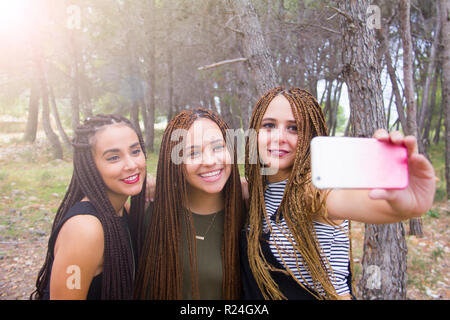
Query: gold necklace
pixel 207 230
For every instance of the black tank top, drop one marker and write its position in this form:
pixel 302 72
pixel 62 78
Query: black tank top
pixel 83 207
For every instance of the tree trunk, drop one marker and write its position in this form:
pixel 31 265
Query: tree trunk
pixel 170 83
pixel 85 95
pixel 59 126
pixel 150 105
pixel 134 114
pixel 75 102
pixel 243 95
pixel 393 77
pixel 135 85
pixel 411 107
pixel 408 75
pixel 384 257
pixel 445 25
pixel 437 131
pixel 388 117
pixel 335 106
pixel 361 73
pixel 150 129
pixel 327 107
pixel 255 47
pixel 33 112
pixel 424 105
pixel 52 137
pixel 429 114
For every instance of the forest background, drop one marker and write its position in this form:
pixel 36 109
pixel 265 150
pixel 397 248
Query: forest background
pixel 369 63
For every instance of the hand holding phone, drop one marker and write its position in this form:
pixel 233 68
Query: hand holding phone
pixel 358 163
pixel 416 199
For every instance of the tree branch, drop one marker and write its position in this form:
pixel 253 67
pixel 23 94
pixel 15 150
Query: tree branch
pixel 346 15
pixel 221 63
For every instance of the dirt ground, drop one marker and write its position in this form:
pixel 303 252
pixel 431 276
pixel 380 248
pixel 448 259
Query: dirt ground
pixel 428 262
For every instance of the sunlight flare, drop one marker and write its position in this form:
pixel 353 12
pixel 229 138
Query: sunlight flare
pixel 14 15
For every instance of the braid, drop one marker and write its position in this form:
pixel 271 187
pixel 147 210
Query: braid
pixel 160 274
pixel 87 181
pixel 301 202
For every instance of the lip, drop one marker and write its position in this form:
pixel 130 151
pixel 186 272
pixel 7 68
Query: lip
pixel 131 179
pixel 279 153
pixel 211 176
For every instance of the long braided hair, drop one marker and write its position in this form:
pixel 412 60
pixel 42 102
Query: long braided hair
pixel 160 272
pixel 117 281
pixel 301 203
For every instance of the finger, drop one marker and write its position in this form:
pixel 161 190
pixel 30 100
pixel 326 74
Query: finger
pixel 420 167
pixel 381 134
pixel 396 137
pixel 382 194
pixel 411 145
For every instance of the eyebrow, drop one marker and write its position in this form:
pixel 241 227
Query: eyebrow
pixel 211 142
pixel 118 150
pixel 273 119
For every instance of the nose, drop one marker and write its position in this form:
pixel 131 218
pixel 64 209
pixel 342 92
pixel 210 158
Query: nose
pixel 279 135
pixel 209 158
pixel 130 164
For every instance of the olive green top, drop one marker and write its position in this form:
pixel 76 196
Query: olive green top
pixel 209 256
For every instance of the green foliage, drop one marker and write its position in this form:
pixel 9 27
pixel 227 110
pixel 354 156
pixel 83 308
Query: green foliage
pixel 3 175
pixel 437 157
pixel 433 213
pixel 437 253
pixel 13 104
pixel 341 120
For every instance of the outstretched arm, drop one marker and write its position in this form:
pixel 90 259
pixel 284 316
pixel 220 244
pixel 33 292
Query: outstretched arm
pixel 388 206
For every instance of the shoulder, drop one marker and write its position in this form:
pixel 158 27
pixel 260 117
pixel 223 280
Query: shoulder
pixel 85 225
pixel 81 232
pixel 80 243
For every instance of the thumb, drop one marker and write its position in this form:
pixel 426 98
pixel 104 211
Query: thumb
pixel 382 194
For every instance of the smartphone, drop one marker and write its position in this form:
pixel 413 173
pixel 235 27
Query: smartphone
pixel 358 163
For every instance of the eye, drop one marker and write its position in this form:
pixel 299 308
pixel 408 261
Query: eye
pixel 218 147
pixel 268 125
pixel 113 158
pixel 136 152
pixel 292 128
pixel 194 154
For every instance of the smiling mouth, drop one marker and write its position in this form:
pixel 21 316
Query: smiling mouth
pixel 278 153
pixel 211 176
pixel 131 179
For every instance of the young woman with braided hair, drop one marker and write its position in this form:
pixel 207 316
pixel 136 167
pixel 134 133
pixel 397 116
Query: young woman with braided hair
pixel 191 247
pixel 90 253
pixel 296 242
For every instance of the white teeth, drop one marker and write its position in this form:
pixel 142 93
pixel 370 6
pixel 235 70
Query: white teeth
pixel 277 152
pixel 210 174
pixel 131 178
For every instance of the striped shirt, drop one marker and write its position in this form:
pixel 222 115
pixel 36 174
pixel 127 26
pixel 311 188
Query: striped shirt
pixel 333 240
